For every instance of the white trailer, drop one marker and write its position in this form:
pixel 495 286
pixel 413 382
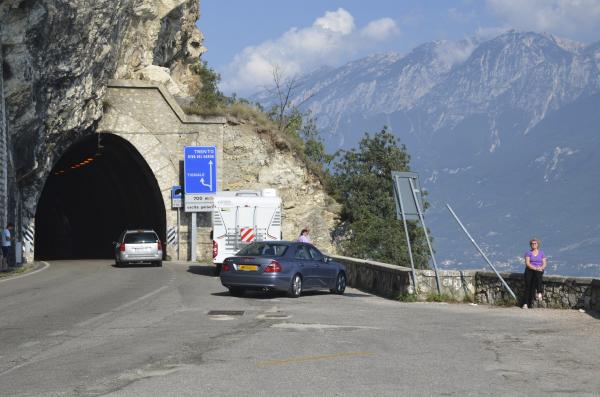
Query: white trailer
pixel 244 216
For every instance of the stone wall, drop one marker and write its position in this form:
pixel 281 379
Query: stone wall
pixel 559 292
pixel 148 117
pixel 479 286
pixel 380 278
pixel 396 281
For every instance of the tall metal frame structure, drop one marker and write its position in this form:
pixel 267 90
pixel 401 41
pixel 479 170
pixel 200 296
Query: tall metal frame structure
pixel 409 207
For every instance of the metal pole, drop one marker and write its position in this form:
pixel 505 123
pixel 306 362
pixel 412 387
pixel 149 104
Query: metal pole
pixel 178 223
pixel 193 237
pixel 412 263
pixel 437 276
pixel 481 252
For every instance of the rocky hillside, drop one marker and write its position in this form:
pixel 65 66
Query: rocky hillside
pixel 255 158
pixel 57 58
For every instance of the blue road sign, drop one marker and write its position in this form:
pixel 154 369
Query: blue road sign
pixel 176 192
pixel 176 197
pixel 200 177
pixel 200 168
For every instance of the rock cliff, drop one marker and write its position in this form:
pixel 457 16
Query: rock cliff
pixel 57 58
pixel 256 159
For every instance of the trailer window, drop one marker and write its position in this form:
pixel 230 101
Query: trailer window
pixel 263 249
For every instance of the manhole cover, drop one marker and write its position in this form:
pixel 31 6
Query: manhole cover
pixel 226 313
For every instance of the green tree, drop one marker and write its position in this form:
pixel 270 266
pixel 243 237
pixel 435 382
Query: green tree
pixel 362 178
pixel 208 100
pixel 314 148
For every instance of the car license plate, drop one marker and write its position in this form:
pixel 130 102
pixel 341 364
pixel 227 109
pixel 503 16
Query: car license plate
pixel 248 267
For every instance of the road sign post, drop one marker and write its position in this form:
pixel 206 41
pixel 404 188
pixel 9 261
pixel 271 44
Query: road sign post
pixel 177 202
pixel 410 208
pixel 200 184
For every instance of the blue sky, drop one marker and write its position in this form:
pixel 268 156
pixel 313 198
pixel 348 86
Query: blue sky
pixel 246 39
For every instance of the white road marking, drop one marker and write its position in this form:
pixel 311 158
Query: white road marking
pixel 304 327
pixel 119 308
pixel 46 265
pixel 273 316
pixel 221 317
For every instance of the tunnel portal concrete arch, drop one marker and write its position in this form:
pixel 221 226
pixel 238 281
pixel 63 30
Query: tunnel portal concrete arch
pixel 100 186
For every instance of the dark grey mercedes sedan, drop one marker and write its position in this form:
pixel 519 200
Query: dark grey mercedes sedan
pixel 287 266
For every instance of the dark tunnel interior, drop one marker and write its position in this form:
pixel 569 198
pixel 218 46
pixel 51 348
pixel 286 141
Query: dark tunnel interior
pixel 99 187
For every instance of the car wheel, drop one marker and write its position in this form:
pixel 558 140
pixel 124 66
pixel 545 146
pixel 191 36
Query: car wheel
pixel 158 263
pixel 340 284
pixel 236 291
pixel 295 286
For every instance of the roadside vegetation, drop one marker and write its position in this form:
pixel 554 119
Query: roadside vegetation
pixel 359 178
pixel 13 271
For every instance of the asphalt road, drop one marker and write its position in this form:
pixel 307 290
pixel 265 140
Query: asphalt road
pixel 86 328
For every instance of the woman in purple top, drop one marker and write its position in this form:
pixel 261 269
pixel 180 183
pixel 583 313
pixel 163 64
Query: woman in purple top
pixel 304 237
pixel 535 263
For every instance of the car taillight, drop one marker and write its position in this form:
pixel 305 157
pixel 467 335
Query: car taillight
pixel 225 267
pixel 159 245
pixel 273 267
pixel 215 249
pixel 122 247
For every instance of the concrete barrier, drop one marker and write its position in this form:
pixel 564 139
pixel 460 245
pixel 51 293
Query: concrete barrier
pixel 380 278
pixel 478 286
pixel 396 282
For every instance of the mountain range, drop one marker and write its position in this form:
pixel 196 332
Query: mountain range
pixel 503 129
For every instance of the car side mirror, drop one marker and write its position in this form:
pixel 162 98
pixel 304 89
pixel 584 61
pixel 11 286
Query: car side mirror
pixel 326 259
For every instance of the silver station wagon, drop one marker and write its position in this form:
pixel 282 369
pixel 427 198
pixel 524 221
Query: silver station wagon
pixel 287 266
pixel 138 246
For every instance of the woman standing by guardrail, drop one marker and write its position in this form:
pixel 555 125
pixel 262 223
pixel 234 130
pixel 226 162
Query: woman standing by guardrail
pixel 535 263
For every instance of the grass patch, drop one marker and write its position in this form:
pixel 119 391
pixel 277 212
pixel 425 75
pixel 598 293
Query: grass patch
pixel 407 298
pixel 15 270
pixel 506 302
pixel 441 298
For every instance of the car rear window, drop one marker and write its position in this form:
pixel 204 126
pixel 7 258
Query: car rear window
pixel 141 237
pixel 263 249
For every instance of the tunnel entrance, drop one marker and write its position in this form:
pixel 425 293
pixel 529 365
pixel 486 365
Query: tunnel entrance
pixel 99 187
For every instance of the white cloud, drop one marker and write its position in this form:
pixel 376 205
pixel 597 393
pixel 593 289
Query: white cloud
pixel 340 21
pixel 451 52
pixel 578 19
pixel 380 29
pixel 332 38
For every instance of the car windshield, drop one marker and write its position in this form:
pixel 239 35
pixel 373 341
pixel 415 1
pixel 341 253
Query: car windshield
pixel 140 238
pixel 263 249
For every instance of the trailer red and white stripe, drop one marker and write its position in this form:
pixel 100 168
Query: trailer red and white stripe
pixel 247 234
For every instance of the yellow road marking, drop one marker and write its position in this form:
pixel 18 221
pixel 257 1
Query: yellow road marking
pixel 264 364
